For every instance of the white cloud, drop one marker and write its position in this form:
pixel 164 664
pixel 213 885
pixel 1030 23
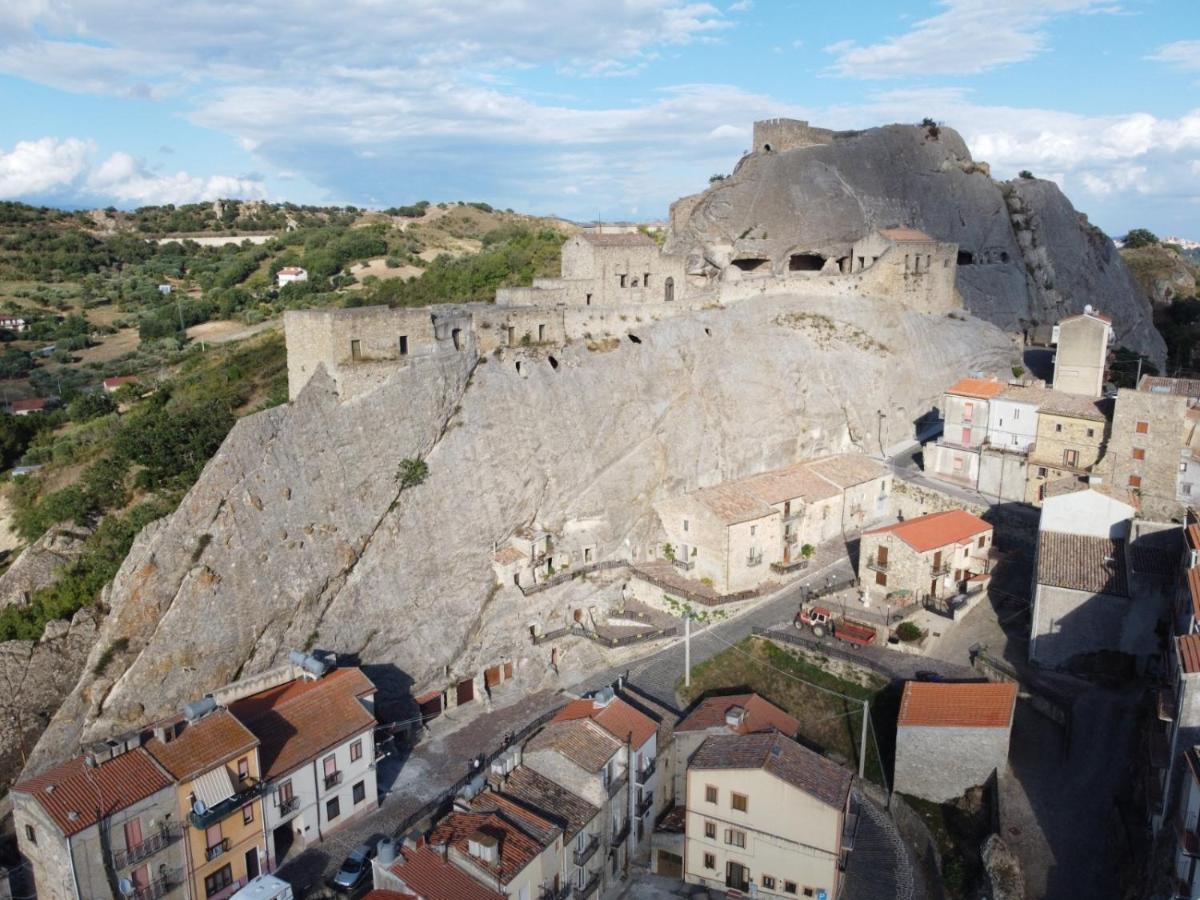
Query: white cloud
pixel 50 168
pixel 970 36
pixel 1181 55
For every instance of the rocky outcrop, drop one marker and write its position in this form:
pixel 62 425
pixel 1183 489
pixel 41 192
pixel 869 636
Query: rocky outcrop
pixel 38 564
pixel 298 535
pixel 34 679
pixel 1163 273
pixel 1003 870
pixel 1026 255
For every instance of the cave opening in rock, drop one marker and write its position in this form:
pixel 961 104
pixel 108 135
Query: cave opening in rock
pixel 805 262
pixel 751 263
pixel 966 258
pixel 635 339
pixel 553 362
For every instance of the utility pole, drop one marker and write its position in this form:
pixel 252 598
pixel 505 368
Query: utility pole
pixel 1138 379
pixel 687 649
pixel 862 750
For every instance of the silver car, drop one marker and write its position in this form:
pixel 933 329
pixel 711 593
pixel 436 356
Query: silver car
pixel 355 870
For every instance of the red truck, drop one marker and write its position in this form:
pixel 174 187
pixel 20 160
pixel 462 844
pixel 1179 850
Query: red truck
pixel 821 622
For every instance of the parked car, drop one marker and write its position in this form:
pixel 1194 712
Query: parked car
pixel 355 870
pixel 265 887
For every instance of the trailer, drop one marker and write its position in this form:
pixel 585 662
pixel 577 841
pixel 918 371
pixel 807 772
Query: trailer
pixel 821 621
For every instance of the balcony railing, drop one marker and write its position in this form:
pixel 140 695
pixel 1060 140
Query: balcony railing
pixel 214 814
pixel 332 781
pixel 644 805
pixel 617 783
pixel 644 774
pixel 216 850
pixel 584 853
pixel 620 832
pixel 791 565
pixel 131 856
pixel 549 892
pixel 877 565
pixel 940 569
pixel 160 888
pixel 589 888
pixel 686 564
pixel 289 806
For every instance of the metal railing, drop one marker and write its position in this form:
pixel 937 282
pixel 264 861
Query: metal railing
pixel 216 850
pixel 617 783
pixel 130 856
pixel 550 892
pixel 589 887
pixel 160 887
pixel 644 774
pixel 333 780
pixel 584 853
pixel 619 834
pixel 876 565
pixel 686 564
pixel 644 805
pixel 289 806
pixel 940 569
pixel 754 560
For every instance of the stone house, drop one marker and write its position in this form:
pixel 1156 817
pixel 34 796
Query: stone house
pixel 213 761
pixel 101 819
pixel 1082 353
pixel 317 749
pixel 584 758
pixel 1071 436
pixel 1151 449
pixel 1187 848
pixel 1011 432
pixel 934 556
pixel 765 816
pixel 954 457
pixel 290 275
pixel 735 533
pixel 951 737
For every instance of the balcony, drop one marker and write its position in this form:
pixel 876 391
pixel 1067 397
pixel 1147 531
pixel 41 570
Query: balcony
pixel 877 565
pixel 289 806
pixel 589 888
pixel 160 888
pixel 790 565
pixel 587 851
pixel 131 856
pixel 619 834
pixel 1189 841
pixel 645 774
pixel 549 892
pixel 686 564
pixel 333 780
pixel 214 814
pixel 617 783
pixel 939 570
pixel 216 850
pixel 644 805
pixel 754 559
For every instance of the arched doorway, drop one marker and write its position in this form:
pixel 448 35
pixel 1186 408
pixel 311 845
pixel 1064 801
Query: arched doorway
pixel 456 335
pixel 669 290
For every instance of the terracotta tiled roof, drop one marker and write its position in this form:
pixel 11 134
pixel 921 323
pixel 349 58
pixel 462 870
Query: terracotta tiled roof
pixel 782 757
pixel 972 705
pixel 847 469
pixel 580 740
pixel 119 380
pixel 626 239
pixel 301 719
pixel 1189 652
pixel 791 483
pixel 731 503
pixel 954 526
pixel 982 388
pixel 905 235
pixel 516 846
pixel 1193 579
pixel 389 895
pixel 1192 533
pixel 666 717
pixel 531 821
pixel 508 555
pixel 1180 387
pixel 760 715
pixel 571 812
pixel 203 745
pixel 1073 406
pixel 69 793
pixel 1082 563
pixel 616 717
pixel 432 877
pixel 38 403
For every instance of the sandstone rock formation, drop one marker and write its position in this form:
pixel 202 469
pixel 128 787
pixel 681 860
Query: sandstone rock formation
pixel 37 565
pixel 1026 256
pixel 298 535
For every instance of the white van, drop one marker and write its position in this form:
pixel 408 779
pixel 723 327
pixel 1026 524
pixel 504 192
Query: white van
pixel 265 887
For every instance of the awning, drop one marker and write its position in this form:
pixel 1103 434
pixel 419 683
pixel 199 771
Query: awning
pixel 213 788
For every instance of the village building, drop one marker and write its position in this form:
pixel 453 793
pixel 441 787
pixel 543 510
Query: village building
pixel 12 323
pixel 952 737
pixel 100 820
pixel 317 750
pixel 1011 433
pixel 766 817
pixel 1071 435
pixel 213 761
pixel 1153 445
pixel 290 275
pixel 737 533
pixel 954 457
pixel 933 557
pixel 28 407
pixel 1082 353
pixel 114 384
pixel 1187 848
pixel 427 873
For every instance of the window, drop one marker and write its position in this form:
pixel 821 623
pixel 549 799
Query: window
pixel 1058 426
pixel 881 579
pixel 740 802
pixel 219 880
pixel 1091 432
pixel 333 809
pixel 710 830
pixel 1183 467
pixel 360 793
pixel 587 299
pixel 753 530
pixel 247 813
pixel 808 892
pixel 735 838
pixel 710 793
pixel 1041 471
pixel 1070 457
pixel 623 277
pixel 685 524
pixel 1135 481
pixel 982 540
pixel 789 887
pixel 212 836
pixel 1139 453
pixel 330 764
pixel 958 463
pixel 404 345
pixel 1142 428
pixel 356 750
pixel 768 882
pixel 1185 489
pixel 243 768
pixel 710 861
pixel 284 795
pixel 356 349
pixel 646 280
pixel 31 835
pixel 1016 414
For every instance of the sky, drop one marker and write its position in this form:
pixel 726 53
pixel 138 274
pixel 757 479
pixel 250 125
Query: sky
pixel 587 109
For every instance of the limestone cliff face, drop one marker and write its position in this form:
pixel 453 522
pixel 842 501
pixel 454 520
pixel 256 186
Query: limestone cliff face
pixel 297 533
pixel 1030 256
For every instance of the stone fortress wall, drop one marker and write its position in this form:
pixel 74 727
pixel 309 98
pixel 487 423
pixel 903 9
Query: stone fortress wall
pixel 779 135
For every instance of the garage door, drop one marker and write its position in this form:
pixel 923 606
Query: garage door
pixel 670 865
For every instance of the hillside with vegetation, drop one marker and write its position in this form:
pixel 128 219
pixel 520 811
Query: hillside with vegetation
pixel 1170 277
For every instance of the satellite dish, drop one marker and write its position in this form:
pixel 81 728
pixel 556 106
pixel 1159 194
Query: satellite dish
pixel 125 886
pixel 199 808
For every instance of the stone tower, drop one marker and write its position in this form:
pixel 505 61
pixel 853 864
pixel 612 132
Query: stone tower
pixel 778 135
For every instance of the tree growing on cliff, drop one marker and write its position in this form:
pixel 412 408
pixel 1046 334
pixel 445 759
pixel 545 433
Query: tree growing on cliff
pixel 411 473
pixel 1140 237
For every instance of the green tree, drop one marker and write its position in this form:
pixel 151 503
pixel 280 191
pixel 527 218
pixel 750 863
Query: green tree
pixel 1140 237
pixel 411 473
pixel 173 443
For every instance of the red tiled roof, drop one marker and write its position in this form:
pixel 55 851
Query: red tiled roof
pixel 616 717
pixel 119 380
pixel 581 741
pixel 761 715
pixel 299 720
pixel 1189 652
pixel 935 530
pixel 389 895
pixel 69 793
pixel 515 847
pixel 971 705
pixel 1193 578
pixel 203 745
pixel 427 873
pixel 1193 536
pixel 782 757
pixel 28 405
pixel 983 388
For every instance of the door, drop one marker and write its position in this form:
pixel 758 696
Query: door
pixel 251 863
pixel 881 557
pixel 133 834
pixel 669 290
pixel 466 691
pixel 966 437
pixel 491 677
pixel 141 878
pixel 737 877
pixel 283 836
